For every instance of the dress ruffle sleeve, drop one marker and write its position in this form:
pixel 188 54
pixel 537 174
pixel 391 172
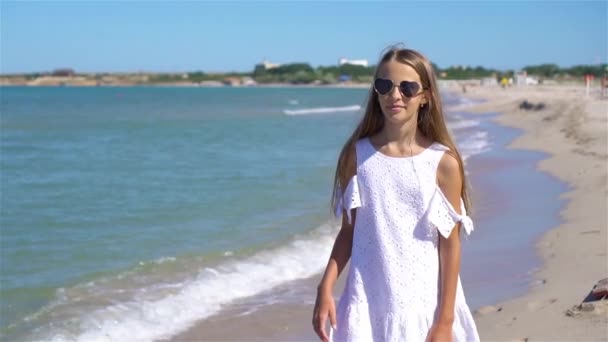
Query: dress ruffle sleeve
pixel 349 199
pixel 443 217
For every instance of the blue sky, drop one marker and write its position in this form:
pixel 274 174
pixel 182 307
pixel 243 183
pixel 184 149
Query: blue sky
pixel 234 36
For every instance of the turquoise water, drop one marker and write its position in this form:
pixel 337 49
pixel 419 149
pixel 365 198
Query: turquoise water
pixel 98 181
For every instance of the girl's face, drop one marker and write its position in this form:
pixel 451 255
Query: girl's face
pixel 400 92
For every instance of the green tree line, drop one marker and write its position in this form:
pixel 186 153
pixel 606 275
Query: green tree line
pixel 553 70
pixel 299 73
pixel 304 73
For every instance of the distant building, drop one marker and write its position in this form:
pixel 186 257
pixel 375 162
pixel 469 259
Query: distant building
pixel 489 81
pixel 361 62
pixel 248 81
pixel 267 65
pixel 522 78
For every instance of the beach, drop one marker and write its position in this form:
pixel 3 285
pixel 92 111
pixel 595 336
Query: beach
pixel 572 129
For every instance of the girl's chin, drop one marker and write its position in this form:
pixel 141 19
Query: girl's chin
pixel 394 112
pixel 397 116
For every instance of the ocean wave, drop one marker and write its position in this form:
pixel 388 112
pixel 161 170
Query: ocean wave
pixel 461 103
pixel 163 309
pixel 321 110
pixel 460 124
pixel 474 144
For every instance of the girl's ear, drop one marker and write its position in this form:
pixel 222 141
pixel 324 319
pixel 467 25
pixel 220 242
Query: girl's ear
pixel 424 99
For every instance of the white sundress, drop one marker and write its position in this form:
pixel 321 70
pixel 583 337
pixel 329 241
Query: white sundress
pixel 392 289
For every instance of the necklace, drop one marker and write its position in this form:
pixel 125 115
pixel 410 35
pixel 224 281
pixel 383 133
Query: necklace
pixel 417 179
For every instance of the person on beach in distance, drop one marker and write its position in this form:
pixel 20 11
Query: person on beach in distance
pixel 400 185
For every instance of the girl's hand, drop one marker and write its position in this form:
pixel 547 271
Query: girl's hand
pixel 440 332
pixel 324 306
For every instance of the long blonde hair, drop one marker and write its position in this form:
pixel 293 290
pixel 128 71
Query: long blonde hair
pixel 430 122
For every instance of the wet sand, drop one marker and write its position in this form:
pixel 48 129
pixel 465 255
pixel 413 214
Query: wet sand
pixel 572 128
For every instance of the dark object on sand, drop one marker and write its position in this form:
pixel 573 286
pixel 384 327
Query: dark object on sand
pixel 525 105
pixel 596 302
pixel 599 291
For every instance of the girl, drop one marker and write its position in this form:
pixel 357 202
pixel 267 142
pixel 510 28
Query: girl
pixel 400 185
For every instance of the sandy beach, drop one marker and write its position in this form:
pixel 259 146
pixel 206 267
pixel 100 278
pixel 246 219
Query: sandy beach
pixel 572 128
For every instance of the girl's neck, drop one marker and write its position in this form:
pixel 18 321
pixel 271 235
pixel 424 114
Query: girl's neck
pixel 405 134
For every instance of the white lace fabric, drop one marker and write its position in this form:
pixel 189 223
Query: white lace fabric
pixel 391 293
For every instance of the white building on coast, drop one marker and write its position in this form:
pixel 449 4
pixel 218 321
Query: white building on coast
pixel 361 62
pixel 268 65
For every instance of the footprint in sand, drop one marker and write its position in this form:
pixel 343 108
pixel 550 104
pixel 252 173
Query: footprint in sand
pixel 537 305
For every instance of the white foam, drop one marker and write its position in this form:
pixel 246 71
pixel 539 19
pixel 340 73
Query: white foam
pixel 321 110
pixel 460 124
pixel 203 296
pixel 473 144
pixel 164 260
pixel 461 104
pixel 468 102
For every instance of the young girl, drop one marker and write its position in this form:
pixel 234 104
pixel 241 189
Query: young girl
pixel 400 185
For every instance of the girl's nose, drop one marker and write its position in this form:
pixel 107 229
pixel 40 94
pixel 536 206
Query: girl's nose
pixel 395 93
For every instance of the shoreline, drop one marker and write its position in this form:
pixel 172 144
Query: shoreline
pixel 572 131
pixel 570 255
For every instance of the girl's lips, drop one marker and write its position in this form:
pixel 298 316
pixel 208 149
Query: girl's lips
pixel 395 108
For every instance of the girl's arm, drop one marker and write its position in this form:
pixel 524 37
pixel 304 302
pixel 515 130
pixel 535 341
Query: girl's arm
pixel 340 254
pixel 450 183
pixel 325 306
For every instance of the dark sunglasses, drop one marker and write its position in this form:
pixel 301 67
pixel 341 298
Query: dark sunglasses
pixel 407 88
